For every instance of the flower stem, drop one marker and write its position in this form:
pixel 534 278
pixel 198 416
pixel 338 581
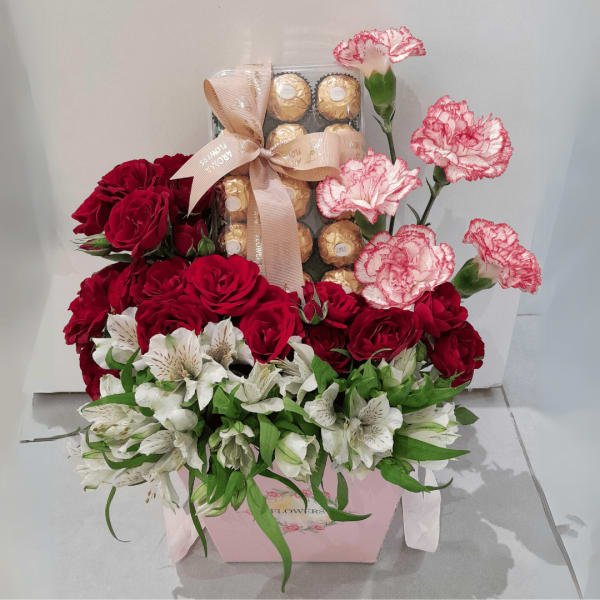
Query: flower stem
pixel 52 437
pixel 387 129
pixel 440 181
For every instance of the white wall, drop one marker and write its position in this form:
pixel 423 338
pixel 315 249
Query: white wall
pixel 115 80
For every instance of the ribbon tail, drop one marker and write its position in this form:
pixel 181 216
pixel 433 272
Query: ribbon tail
pixel 272 239
pixel 421 514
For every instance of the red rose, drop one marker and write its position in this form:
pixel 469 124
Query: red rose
pixel 91 306
pixel 125 290
pixel 341 306
pixel 140 221
pixel 187 235
pixel 323 339
pixel 227 286
pixel 268 328
pixel 91 371
pixel 374 330
pixel 132 175
pixel 164 314
pixel 163 277
pixel 274 292
pixel 440 310
pixel 458 351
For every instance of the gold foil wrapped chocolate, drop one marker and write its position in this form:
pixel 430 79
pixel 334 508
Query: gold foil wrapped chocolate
pixel 232 239
pixel 234 198
pixel 340 243
pixel 339 128
pixel 346 278
pixel 305 239
pixel 338 97
pixel 299 193
pixel 286 132
pixel 289 97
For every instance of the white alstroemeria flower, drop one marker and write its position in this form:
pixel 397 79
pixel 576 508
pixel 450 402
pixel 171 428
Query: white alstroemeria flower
pixel 122 330
pixel 159 477
pixel 92 469
pixel 367 436
pixel 166 406
pixel 403 365
pixel 235 451
pixel 165 440
pixel 188 446
pixel 178 357
pixel 297 375
pixel 254 389
pixel 296 455
pixel 109 385
pixel 225 344
pixel 320 410
pixel 113 421
pixel 434 425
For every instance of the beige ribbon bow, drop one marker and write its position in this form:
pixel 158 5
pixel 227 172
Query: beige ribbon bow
pixel 239 100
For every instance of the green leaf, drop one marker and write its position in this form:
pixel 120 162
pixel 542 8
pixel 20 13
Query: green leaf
pixel 109 500
pixel 221 478
pixel 127 398
pixel 342 492
pixel 127 372
pixel 397 472
pixel 130 463
pixel 369 230
pixel 122 257
pixel 334 514
pixel 429 394
pixel 266 521
pixel 193 514
pixel 239 496
pixel 112 363
pixel 411 449
pixel 414 212
pixel 269 436
pixel 99 445
pixel 464 416
pixel 236 479
pixel 325 374
pixel 143 376
pixel 226 404
pixel 294 407
pixel 287 482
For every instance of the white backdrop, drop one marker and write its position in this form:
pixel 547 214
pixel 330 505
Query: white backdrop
pixel 110 81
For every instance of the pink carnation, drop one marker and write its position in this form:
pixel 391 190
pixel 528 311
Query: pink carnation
pixel 450 138
pixel 373 185
pixel 398 269
pixel 501 257
pixel 374 50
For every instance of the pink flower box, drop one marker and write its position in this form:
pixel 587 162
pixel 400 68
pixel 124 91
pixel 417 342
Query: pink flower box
pixel 311 535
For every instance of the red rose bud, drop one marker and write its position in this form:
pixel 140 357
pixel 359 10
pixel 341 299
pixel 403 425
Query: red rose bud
pixel 381 334
pixel 328 302
pixel 469 280
pixel 96 245
pixel 440 310
pixel 457 352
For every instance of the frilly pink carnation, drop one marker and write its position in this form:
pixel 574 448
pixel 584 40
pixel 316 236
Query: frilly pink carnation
pixel 501 257
pixel 374 50
pixel 450 138
pixel 373 185
pixel 398 269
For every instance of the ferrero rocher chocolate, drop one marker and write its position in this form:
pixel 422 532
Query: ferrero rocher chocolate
pixel 339 128
pixel 305 239
pixel 299 192
pixel 338 97
pixel 286 132
pixel 232 239
pixel 242 169
pixel 340 243
pixel 234 198
pixel 289 97
pixel 345 277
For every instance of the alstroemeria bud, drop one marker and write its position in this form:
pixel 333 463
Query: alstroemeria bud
pixel 382 89
pixel 296 455
pixel 235 451
pixel 473 277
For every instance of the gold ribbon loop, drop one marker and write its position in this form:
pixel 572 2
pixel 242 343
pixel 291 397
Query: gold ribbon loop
pixel 239 100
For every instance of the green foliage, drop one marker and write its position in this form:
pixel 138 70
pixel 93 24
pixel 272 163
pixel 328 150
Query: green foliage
pixel 464 416
pixel 324 373
pixel 430 393
pixel 398 472
pixel 269 436
pixel 193 515
pixel 369 230
pixel 409 448
pixel 226 404
pixel 109 500
pixel 342 492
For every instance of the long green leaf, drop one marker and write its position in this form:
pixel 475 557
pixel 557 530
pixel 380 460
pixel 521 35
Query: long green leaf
pixel 396 473
pixel 287 482
pixel 239 496
pixel 342 492
pixel 269 436
pixel 325 374
pixel 129 463
pixel 221 478
pixel 127 373
pixel 266 521
pixel 109 500
pixel 193 515
pixel 464 416
pixel 111 362
pixel 236 479
pixel 411 449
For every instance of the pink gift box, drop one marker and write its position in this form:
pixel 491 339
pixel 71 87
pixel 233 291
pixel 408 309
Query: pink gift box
pixel 311 535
